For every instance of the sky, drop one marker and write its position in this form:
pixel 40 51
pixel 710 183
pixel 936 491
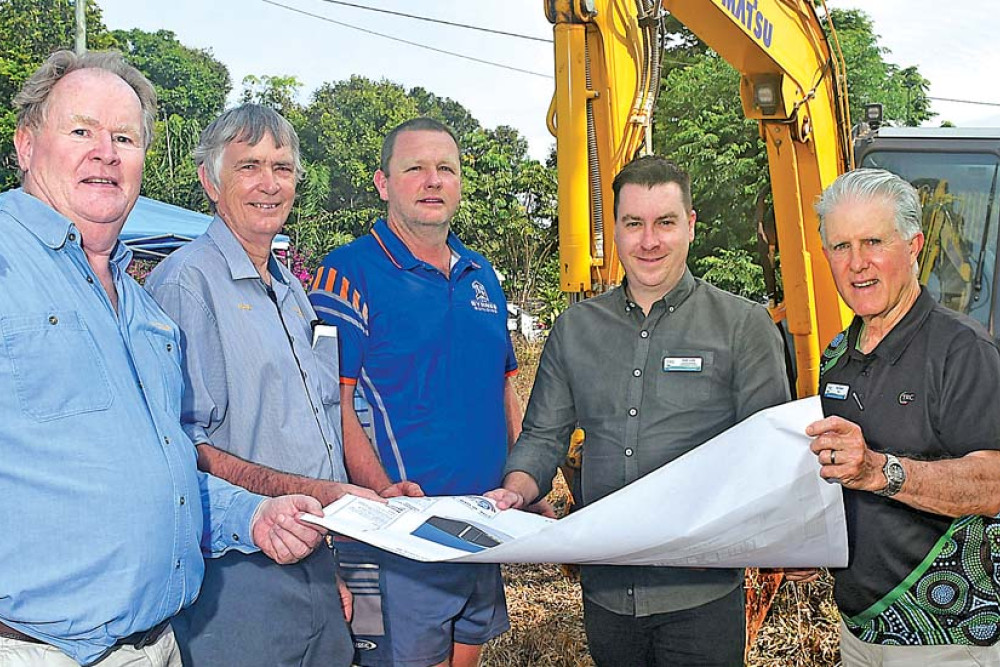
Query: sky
pixel 953 44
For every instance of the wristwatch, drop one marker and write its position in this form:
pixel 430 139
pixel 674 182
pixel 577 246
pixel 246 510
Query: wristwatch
pixel 894 476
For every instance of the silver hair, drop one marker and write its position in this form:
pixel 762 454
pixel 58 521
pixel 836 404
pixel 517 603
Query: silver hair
pixel 874 184
pixel 32 102
pixel 247 123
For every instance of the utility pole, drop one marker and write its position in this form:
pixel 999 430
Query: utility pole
pixel 81 26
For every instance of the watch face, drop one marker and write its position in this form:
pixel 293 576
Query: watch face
pixel 894 471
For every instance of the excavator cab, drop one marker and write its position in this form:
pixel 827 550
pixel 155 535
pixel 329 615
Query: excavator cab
pixel 956 172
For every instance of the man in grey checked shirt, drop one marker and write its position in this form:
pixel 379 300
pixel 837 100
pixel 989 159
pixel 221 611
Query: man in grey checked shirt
pixel 261 399
pixel 649 371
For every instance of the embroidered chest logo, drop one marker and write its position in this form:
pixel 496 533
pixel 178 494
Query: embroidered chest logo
pixel 907 397
pixel 482 301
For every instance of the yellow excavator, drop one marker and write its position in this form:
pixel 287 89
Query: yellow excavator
pixel 607 73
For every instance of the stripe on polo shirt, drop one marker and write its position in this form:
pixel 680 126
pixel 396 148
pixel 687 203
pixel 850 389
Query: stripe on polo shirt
pixel 383 413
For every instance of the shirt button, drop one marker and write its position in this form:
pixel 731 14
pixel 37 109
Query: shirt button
pixel 236 537
pixel 72 236
pixel 670 309
pixel 177 565
pixel 182 501
pixel 629 591
pixel 644 334
pixel 166 440
pixel 90 280
pixel 637 372
pixel 140 385
pixel 632 412
pixel 170 347
pixel 53 319
pixel 628 452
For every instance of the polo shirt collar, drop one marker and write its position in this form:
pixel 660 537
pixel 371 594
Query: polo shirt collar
pixel 891 347
pixel 235 255
pixel 400 255
pixel 674 298
pixel 51 227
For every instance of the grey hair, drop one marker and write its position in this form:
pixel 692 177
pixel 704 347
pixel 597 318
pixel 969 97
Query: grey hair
pixel 32 102
pixel 874 184
pixel 419 124
pixel 247 123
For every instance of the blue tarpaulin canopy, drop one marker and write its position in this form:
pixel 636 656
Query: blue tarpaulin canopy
pixel 155 229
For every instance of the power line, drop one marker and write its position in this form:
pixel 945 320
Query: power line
pixel 405 41
pixel 440 21
pixel 950 99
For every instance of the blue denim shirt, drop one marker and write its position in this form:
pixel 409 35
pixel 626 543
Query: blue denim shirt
pixel 106 515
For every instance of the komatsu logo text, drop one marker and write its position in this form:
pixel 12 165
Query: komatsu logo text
pixel 747 13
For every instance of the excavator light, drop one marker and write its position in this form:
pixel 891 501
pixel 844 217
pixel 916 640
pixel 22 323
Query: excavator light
pixel 765 93
pixel 873 115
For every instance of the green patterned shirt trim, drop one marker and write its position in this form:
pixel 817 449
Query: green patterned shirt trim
pixel 951 597
pixel 833 352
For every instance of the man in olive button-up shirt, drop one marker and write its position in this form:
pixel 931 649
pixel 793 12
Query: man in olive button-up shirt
pixel 649 371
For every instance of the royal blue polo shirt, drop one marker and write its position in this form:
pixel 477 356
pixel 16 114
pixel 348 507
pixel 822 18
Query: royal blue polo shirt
pixel 430 352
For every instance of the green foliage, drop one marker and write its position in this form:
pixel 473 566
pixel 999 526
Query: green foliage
pixel 189 82
pixel 509 205
pixel 30 30
pixel 735 271
pixel 344 126
pixel 170 174
pixel 870 78
pixel 276 92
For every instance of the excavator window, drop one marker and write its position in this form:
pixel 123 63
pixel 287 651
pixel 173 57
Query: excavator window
pixel 958 192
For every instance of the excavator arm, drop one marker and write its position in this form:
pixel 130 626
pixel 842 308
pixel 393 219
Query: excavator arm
pixel 792 82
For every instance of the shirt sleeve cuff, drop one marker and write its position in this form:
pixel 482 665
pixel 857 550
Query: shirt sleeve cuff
pixel 230 511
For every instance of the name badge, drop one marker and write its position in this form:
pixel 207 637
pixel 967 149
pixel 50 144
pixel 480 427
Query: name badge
pixel 682 364
pixel 836 391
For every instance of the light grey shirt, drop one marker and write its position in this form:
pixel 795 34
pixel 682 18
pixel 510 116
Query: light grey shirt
pixel 646 389
pixel 254 384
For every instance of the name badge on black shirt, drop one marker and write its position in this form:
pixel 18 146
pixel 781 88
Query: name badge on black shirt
pixel 836 391
pixel 682 364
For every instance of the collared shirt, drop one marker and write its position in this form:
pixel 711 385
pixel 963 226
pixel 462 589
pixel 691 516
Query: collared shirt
pixel 430 353
pixel 106 509
pixel 927 391
pixel 255 385
pixel 646 389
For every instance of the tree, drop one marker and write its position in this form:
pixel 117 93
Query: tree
pixel 30 30
pixel 700 124
pixel 170 174
pixel 508 210
pixel 278 93
pixel 190 83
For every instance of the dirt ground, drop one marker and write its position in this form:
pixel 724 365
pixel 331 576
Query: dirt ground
pixel 546 609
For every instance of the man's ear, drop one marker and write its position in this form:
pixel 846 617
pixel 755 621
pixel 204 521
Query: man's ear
pixel 381 184
pixel 692 218
pixel 206 182
pixel 24 143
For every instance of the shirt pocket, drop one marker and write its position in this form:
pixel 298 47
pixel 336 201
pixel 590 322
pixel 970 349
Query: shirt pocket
pixel 686 377
pixel 56 366
pixel 166 383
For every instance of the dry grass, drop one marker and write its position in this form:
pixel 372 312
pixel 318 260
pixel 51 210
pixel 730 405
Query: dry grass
pixel 546 609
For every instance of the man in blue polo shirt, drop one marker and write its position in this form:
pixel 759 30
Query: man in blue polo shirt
pixel 422 323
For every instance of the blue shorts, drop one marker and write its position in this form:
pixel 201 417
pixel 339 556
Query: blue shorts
pixel 409 613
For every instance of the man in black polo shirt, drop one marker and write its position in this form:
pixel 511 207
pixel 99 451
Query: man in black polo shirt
pixel 912 434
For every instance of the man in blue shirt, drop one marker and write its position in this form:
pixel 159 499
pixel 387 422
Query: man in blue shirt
pixel 261 398
pixel 422 323
pixel 90 436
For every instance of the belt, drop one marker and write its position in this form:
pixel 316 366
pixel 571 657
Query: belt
pixel 136 639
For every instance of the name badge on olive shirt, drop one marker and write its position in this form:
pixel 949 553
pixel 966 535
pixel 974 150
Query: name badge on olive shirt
pixel 682 364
